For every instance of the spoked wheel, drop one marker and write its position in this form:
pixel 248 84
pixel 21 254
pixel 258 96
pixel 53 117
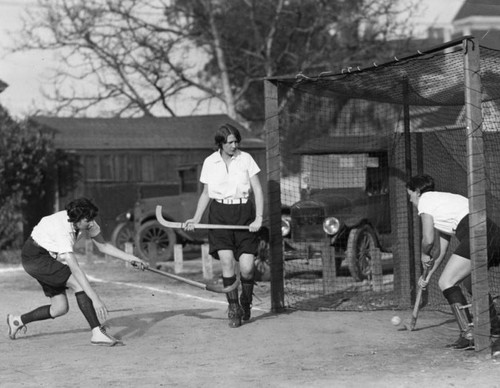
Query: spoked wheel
pixel 123 233
pixel 360 246
pixel 155 243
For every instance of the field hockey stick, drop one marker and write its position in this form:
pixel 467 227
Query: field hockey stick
pixel 207 287
pixel 413 320
pixel 181 225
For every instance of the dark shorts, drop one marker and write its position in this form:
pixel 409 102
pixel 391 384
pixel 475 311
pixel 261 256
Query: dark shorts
pixel 462 234
pixel 50 273
pixel 238 241
pixel 493 238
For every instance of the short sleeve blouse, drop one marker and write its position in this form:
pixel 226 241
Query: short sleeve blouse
pixel 57 235
pixel 447 209
pixel 232 182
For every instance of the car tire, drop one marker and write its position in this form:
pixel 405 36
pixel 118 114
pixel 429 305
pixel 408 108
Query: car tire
pixel 164 239
pixel 123 233
pixel 360 244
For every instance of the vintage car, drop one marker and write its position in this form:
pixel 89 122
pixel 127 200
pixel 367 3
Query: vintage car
pixel 343 195
pixel 140 227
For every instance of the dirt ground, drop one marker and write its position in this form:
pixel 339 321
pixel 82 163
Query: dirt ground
pixel 176 335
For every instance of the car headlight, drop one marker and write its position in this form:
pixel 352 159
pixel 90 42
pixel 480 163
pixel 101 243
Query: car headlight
pixel 330 225
pixel 286 226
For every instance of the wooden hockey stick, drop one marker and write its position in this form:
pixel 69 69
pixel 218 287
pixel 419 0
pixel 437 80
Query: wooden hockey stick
pixel 413 320
pixel 180 225
pixel 207 287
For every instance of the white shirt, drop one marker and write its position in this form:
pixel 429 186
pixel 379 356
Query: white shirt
pixel 57 235
pixel 232 182
pixel 447 209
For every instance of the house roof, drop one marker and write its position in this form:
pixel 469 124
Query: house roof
pixel 471 8
pixel 188 132
pixel 344 144
pixel 480 18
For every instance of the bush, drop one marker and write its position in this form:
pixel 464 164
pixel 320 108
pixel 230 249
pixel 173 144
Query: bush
pixel 11 224
pixel 30 170
pixel 10 256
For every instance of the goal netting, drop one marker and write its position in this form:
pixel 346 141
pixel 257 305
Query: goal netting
pixel 343 145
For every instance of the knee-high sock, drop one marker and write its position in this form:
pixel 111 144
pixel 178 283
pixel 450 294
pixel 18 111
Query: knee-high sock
pixel 87 308
pixel 467 283
pixel 39 314
pixel 454 295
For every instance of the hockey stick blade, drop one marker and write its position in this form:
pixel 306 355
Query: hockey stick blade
pixel 207 287
pixel 180 225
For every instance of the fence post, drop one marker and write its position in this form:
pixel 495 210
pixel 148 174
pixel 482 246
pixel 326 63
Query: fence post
pixel 178 258
pixel 129 248
pixel 328 264
pixel 476 178
pixel 152 251
pixel 206 263
pixel 272 130
pixel 377 275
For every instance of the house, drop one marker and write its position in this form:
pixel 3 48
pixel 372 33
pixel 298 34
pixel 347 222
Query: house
pixel 124 159
pixel 480 18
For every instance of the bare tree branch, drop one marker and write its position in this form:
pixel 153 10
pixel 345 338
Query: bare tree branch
pixel 140 55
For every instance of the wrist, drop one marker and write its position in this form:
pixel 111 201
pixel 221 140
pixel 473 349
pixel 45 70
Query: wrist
pixel 258 216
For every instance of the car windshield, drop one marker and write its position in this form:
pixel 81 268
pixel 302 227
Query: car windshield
pixel 334 171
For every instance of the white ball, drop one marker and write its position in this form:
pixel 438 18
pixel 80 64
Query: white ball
pixel 396 320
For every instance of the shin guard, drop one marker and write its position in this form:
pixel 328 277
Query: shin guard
pixel 464 324
pixel 234 312
pixel 457 302
pixel 246 297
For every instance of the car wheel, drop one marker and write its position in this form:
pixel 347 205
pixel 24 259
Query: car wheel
pixel 152 236
pixel 360 245
pixel 123 233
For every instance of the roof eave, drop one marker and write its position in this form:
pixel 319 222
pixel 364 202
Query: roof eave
pixel 479 22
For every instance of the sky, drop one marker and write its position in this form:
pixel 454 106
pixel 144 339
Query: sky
pixel 27 73
pixel 24 73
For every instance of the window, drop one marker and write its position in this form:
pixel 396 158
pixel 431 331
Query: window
pixel 188 176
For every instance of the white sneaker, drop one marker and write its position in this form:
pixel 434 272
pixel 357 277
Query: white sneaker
pixel 100 337
pixel 15 325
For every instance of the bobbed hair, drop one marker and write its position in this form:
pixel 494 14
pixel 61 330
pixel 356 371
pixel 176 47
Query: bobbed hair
pixel 421 183
pixel 80 209
pixel 223 133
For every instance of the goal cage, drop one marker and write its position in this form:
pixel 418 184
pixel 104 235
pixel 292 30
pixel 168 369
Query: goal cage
pixel 344 145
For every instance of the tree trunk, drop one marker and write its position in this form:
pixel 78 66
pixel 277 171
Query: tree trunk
pixel 221 61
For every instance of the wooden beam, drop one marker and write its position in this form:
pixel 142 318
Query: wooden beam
pixel 274 195
pixel 476 182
